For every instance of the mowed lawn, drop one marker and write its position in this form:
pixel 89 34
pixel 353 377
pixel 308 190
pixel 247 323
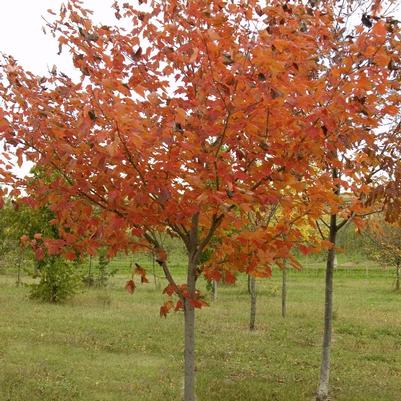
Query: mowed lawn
pixel 106 345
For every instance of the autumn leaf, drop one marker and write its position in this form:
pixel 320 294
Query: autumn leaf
pixel 39 253
pixel 130 286
pixel 169 290
pixel 229 277
pixel 166 308
pixel 142 272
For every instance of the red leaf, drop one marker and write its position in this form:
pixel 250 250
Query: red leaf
pixel 179 306
pixel 138 53
pixel 229 278
pixel 198 303
pixel 130 286
pixel 169 290
pixel 212 274
pixel 141 271
pixel 306 250
pixel 54 246
pixel 39 253
pixel 70 255
pixel 166 308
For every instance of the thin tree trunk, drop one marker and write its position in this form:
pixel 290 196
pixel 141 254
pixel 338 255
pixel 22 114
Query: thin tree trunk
pixel 214 289
pixel 154 270
pixel 18 271
pixel 397 277
pixel 249 285
pixel 323 390
pixel 252 288
pixel 189 338
pixel 284 294
pixel 90 281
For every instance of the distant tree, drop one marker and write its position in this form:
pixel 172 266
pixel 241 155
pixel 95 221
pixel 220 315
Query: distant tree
pixel 58 279
pixel 12 255
pixel 22 225
pixel 99 274
pixel 360 121
pixel 383 244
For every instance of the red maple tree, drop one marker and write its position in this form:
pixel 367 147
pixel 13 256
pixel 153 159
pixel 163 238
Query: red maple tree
pixel 197 114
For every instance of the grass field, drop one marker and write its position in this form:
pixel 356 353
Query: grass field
pixel 106 345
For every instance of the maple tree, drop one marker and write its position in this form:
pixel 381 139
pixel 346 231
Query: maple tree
pixel 267 227
pixel 199 113
pixel 362 132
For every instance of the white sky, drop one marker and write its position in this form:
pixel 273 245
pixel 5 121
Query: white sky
pixel 21 32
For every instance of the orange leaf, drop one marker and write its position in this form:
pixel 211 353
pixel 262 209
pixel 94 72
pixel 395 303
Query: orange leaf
pixel 380 28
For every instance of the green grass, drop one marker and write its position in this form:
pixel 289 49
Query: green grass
pixel 106 345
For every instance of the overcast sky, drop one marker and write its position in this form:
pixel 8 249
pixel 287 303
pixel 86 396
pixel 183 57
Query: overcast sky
pixel 21 32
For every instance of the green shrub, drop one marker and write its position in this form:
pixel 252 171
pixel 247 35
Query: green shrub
pixel 58 281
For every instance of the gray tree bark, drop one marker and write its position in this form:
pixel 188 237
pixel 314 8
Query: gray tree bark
pixel 19 261
pixel 284 294
pixel 214 289
pixel 154 272
pixel 252 289
pixel 323 389
pixel 397 277
pixel 90 281
pixel 189 337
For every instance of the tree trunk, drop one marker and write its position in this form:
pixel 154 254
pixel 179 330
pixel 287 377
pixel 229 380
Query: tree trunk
pixel 284 294
pixel 154 271
pixel 323 390
pixel 249 285
pixel 90 280
pixel 214 289
pixel 397 277
pixel 189 338
pixel 252 289
pixel 19 262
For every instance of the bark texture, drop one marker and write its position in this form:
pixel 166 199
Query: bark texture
pixel 323 389
pixel 284 294
pixel 252 289
pixel 189 338
pixel 215 286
